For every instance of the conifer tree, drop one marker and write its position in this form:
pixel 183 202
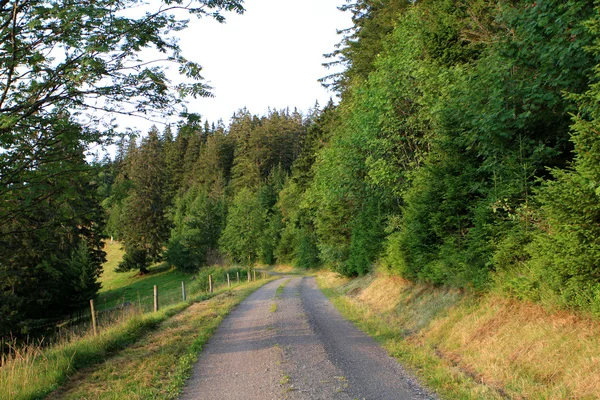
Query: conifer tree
pixel 146 226
pixel 246 222
pixel 560 265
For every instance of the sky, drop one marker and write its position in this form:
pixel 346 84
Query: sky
pixel 269 57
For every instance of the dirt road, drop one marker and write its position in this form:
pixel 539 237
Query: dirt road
pixel 293 344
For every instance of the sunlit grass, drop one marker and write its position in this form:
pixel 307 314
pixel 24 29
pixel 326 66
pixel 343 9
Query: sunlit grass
pixel 470 347
pixel 34 371
pixel 130 287
pixel 110 279
pixel 157 366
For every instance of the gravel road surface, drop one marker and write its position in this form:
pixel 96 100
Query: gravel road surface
pixel 295 345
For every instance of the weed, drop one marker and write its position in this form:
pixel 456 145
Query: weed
pixel 279 290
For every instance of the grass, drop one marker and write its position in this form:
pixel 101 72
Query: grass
pixel 280 288
pixel 33 371
pixel 274 307
pixel 284 269
pixel 110 279
pixel 158 365
pixel 465 346
pixel 122 287
pixel 163 357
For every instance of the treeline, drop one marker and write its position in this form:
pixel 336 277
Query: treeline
pixel 207 194
pixel 464 152
pixel 65 67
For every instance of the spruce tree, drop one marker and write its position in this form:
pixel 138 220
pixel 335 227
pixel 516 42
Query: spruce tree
pixel 146 226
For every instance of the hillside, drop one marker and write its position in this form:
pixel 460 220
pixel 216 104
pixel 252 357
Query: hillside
pixel 467 346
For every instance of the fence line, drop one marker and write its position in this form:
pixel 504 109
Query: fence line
pixel 67 329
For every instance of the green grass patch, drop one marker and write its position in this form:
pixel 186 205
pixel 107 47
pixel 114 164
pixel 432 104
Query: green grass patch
pixel 279 290
pixel 37 372
pixel 121 287
pixel 110 279
pixel 139 289
pixel 130 287
pixel 274 307
pixel 158 365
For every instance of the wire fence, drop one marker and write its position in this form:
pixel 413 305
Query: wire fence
pixel 67 329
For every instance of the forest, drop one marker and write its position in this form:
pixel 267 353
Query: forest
pixel 464 151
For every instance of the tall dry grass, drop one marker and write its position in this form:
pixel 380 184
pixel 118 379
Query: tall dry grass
pixel 527 350
pixel 471 346
pixel 34 370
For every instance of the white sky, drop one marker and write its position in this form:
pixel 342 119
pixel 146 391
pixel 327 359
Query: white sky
pixel 270 56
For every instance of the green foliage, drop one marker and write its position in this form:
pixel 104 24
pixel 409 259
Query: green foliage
pixel 448 159
pixel 134 259
pixel 263 145
pixel 362 43
pixel 366 241
pixel 307 252
pixel 65 66
pixel 198 225
pixel 52 248
pixel 492 117
pixel 560 258
pixel 246 222
pixel 146 227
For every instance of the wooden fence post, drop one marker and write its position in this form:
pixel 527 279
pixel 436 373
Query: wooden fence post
pixel 254 274
pixel 94 322
pixel 210 284
pixel 183 290
pixel 155 298
pixel 238 276
pixel 228 281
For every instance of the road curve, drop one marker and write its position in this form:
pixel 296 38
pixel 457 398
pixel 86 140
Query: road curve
pixel 302 348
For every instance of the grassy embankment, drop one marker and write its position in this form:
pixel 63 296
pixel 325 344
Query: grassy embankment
pixel 119 288
pixel 285 269
pixel 141 356
pixel 474 347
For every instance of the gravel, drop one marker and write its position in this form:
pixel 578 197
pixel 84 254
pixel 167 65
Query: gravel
pixel 303 350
